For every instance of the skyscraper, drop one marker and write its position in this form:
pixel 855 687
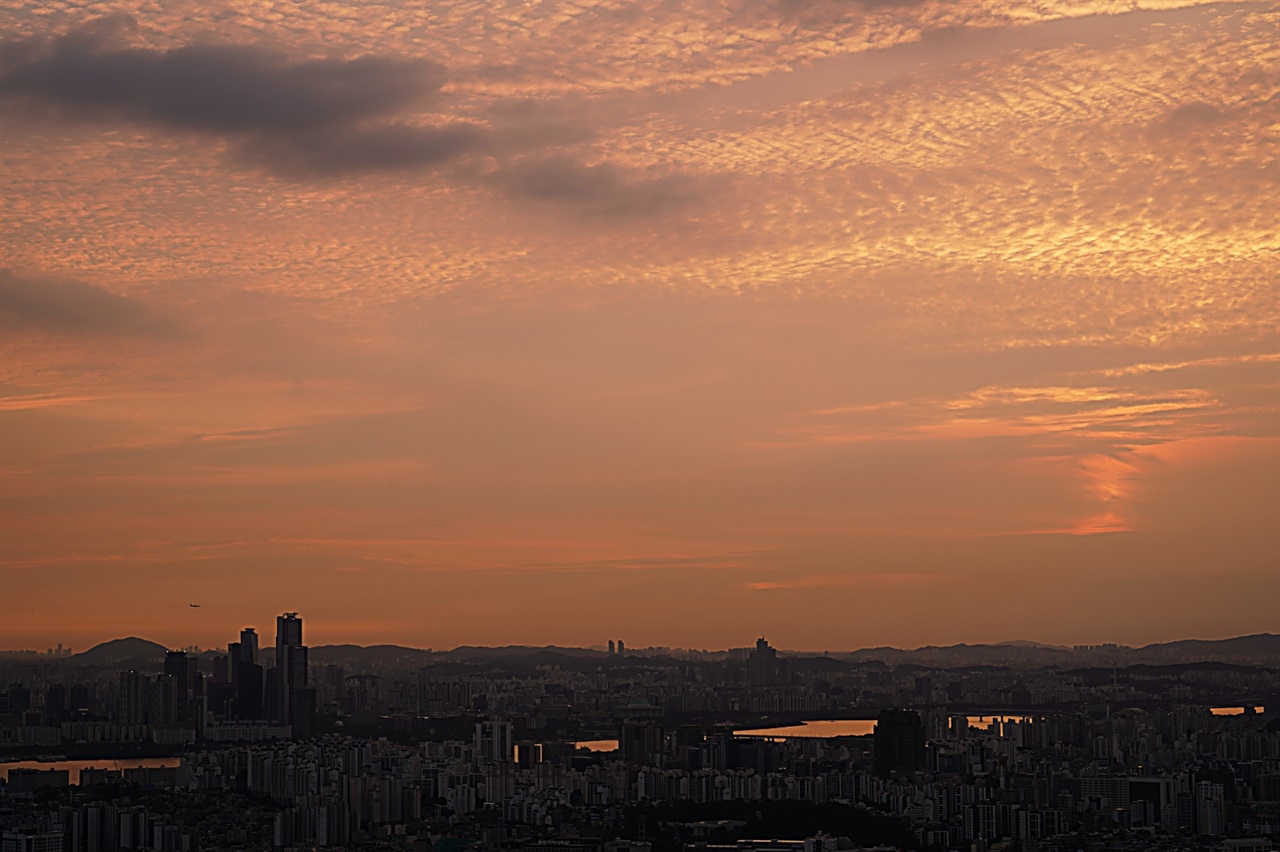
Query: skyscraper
pixel 762 664
pixel 177 664
pixel 288 630
pixel 249 643
pixel 291 664
pixel 639 741
pixel 899 742
pixel 132 703
pixel 493 741
pixel 246 676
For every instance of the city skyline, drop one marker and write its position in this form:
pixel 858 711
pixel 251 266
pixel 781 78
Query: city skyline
pixel 846 324
pixel 610 647
pixel 544 751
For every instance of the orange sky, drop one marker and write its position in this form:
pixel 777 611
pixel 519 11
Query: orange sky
pixel 847 324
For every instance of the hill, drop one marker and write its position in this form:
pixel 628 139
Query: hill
pixel 119 650
pixel 372 655
pixel 477 652
pixel 1257 649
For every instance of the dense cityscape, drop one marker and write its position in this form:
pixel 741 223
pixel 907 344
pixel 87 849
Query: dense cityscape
pixel 997 747
pixel 710 425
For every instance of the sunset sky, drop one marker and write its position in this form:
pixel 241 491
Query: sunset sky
pixel 846 324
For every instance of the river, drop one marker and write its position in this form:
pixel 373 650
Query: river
pixel 74 766
pixel 817 729
pixel 598 745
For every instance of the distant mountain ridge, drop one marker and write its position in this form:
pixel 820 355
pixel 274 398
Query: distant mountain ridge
pixel 1259 647
pixel 1027 643
pixel 119 650
pixel 521 651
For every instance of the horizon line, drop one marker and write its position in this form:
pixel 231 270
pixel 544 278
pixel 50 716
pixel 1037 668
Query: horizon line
pixel 1022 644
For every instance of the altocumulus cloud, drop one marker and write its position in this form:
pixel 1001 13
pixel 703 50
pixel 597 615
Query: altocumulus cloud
pixel 73 307
pixel 312 117
pixel 318 115
pixel 601 189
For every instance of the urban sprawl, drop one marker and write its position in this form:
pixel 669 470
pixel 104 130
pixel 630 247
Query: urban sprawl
pixel 974 748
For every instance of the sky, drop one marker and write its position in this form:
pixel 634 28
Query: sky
pixel 846 324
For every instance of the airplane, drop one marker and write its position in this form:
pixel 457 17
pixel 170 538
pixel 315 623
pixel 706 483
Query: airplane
pixel 194 606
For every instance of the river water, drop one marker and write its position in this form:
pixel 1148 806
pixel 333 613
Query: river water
pixel 74 766
pixel 819 729
pixel 816 729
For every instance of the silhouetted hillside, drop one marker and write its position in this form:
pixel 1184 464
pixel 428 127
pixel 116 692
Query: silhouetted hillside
pixel 1258 646
pixel 476 652
pixel 1257 649
pixel 120 650
pixel 373 655
pixel 959 656
pixel 1262 648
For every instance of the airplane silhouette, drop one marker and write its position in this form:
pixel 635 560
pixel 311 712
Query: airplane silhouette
pixel 194 606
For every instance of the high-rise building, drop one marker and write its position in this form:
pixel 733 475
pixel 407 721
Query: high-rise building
pixel 163 704
pixel 178 665
pixel 249 643
pixel 55 703
pixel 899 742
pixel 247 680
pixel 131 708
pixel 291 665
pixel 246 677
pixel 1210 808
pixel 288 630
pixel 640 741
pixel 762 665
pixel 493 741
pixel 293 676
pixel 303 710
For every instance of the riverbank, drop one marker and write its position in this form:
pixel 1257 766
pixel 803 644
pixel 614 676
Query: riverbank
pixel 73 768
pixel 812 729
pixel 91 751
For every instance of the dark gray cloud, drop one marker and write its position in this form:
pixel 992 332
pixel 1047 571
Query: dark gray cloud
pixel 1188 121
pixel 1196 112
pixel 221 89
pixel 599 189
pixel 1192 115
pixel 386 147
pixel 315 117
pixel 324 115
pixel 74 307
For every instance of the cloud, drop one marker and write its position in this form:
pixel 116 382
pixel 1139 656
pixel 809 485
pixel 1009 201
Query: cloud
pixel 602 188
pixel 1102 413
pixel 1196 112
pixel 321 115
pixel 74 307
pixel 817 14
pixel 863 581
pixel 390 147
pixel 1222 361
pixel 314 117
pixel 217 88
pixel 1190 119
pixel 25 402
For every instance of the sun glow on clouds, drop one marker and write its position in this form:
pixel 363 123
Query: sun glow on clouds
pixel 527 310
